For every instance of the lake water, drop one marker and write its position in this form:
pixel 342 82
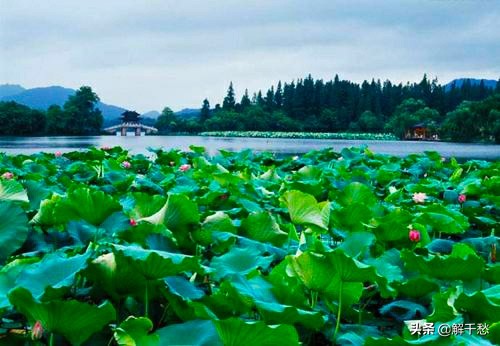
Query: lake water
pixel 28 145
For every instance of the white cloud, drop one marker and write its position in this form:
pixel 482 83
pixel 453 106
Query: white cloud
pixel 146 55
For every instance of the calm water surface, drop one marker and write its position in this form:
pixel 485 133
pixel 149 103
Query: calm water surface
pixel 29 145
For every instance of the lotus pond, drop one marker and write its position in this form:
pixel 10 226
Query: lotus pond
pixel 102 247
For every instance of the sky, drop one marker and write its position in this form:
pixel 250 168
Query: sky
pixel 146 55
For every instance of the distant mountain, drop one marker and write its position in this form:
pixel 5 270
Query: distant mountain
pixel 188 113
pixel 43 98
pixel 151 114
pixel 10 89
pixel 489 83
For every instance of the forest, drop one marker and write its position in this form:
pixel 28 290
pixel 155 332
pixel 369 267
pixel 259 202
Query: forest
pixel 459 113
pixel 469 112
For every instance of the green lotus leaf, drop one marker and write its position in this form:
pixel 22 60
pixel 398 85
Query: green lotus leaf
pixel 444 267
pixel 8 276
pixel 235 332
pixel 12 190
pixel 443 219
pixel 178 212
pixel 115 276
pixel 357 193
pixel 259 291
pixel 335 275
pixel 14 229
pixel 356 243
pixel 74 320
pixel 305 210
pixel 403 310
pixel 488 300
pixel 353 217
pixel 37 192
pixel 80 204
pixel 239 261
pixel 193 333
pixel 135 331
pixel 287 289
pixel 183 288
pixel 492 273
pixel 153 264
pixel 388 265
pixel 393 226
pixel 218 222
pixel 54 271
pixel 442 304
pixel 264 228
pixel 418 287
pixel 82 171
pixel 494 334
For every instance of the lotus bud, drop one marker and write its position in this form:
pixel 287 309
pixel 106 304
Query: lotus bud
pixel 414 236
pixel 132 222
pixel 126 164
pixel 37 331
pixel 419 197
pixel 185 167
pixel 8 175
pixel 462 198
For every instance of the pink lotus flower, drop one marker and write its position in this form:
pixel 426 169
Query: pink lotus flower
pixel 126 164
pixel 37 331
pixel 58 154
pixel 7 175
pixel 462 198
pixel 414 236
pixel 185 167
pixel 105 148
pixel 132 222
pixel 419 197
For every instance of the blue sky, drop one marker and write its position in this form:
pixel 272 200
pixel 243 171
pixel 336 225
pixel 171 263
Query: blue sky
pixel 146 55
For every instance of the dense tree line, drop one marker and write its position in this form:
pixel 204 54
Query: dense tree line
pixel 78 116
pixel 340 105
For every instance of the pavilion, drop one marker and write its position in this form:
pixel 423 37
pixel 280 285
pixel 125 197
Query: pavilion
pixel 130 120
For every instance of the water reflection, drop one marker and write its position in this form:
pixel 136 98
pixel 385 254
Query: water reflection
pixel 28 145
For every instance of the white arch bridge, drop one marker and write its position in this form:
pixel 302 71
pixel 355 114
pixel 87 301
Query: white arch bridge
pixel 138 128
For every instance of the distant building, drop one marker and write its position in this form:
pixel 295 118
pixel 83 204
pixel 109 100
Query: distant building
pixel 131 121
pixel 422 131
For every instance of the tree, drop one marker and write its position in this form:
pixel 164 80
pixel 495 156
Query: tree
pixel 229 101
pixel 494 130
pixel 245 101
pixel 259 100
pixel 461 124
pixel 269 100
pixel 278 96
pixel 57 120
pixel 167 121
pixel 370 122
pixel 17 119
pixel 205 111
pixel 83 115
pixel 405 117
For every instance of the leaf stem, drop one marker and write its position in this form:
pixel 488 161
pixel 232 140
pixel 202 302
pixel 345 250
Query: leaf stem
pixel 314 298
pixel 339 312
pixel 51 339
pixel 146 301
